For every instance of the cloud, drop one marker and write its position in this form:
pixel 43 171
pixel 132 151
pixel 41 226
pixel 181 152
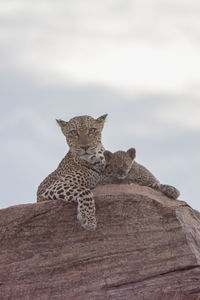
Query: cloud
pixel 182 111
pixel 130 46
pixel 27 118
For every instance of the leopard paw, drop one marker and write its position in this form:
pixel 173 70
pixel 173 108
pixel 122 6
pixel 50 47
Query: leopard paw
pixel 169 191
pixel 89 223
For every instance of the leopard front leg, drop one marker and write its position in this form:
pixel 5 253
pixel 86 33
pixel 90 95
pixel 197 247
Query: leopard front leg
pixel 86 209
pixel 62 190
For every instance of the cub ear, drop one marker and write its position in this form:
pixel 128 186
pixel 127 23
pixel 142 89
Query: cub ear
pixel 132 153
pixel 102 118
pixel 108 155
pixel 62 123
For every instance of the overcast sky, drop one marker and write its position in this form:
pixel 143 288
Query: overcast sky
pixel 138 61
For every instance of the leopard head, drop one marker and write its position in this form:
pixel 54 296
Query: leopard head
pixel 83 134
pixel 120 162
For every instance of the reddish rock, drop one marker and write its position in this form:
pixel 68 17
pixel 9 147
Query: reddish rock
pixel 146 246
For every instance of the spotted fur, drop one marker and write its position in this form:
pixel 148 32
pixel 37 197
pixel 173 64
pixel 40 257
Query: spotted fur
pixel 118 166
pixel 80 170
pixel 122 168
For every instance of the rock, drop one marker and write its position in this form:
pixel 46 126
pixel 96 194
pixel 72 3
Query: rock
pixel 146 246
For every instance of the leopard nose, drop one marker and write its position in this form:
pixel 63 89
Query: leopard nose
pixel 85 148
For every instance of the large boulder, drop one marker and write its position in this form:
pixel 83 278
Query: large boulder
pixel 146 246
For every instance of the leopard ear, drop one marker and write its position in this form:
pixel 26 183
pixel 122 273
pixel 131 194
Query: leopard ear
pixel 102 118
pixel 108 155
pixel 62 123
pixel 132 153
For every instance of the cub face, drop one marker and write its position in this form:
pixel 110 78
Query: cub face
pixel 83 134
pixel 120 162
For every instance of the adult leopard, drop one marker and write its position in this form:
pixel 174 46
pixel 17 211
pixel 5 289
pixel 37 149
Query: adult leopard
pixel 81 168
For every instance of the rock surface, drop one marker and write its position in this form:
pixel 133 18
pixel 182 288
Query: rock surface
pixel 146 245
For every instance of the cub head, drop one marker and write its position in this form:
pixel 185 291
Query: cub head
pixel 83 133
pixel 120 162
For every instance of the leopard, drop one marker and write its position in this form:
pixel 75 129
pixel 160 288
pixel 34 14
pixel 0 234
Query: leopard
pixel 80 170
pixel 121 168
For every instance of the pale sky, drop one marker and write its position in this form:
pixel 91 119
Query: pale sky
pixel 138 61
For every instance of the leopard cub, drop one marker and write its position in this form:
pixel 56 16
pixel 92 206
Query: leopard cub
pixel 118 166
pixel 122 168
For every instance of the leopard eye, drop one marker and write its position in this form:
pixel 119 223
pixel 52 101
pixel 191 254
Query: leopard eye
pixel 74 133
pixel 92 130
